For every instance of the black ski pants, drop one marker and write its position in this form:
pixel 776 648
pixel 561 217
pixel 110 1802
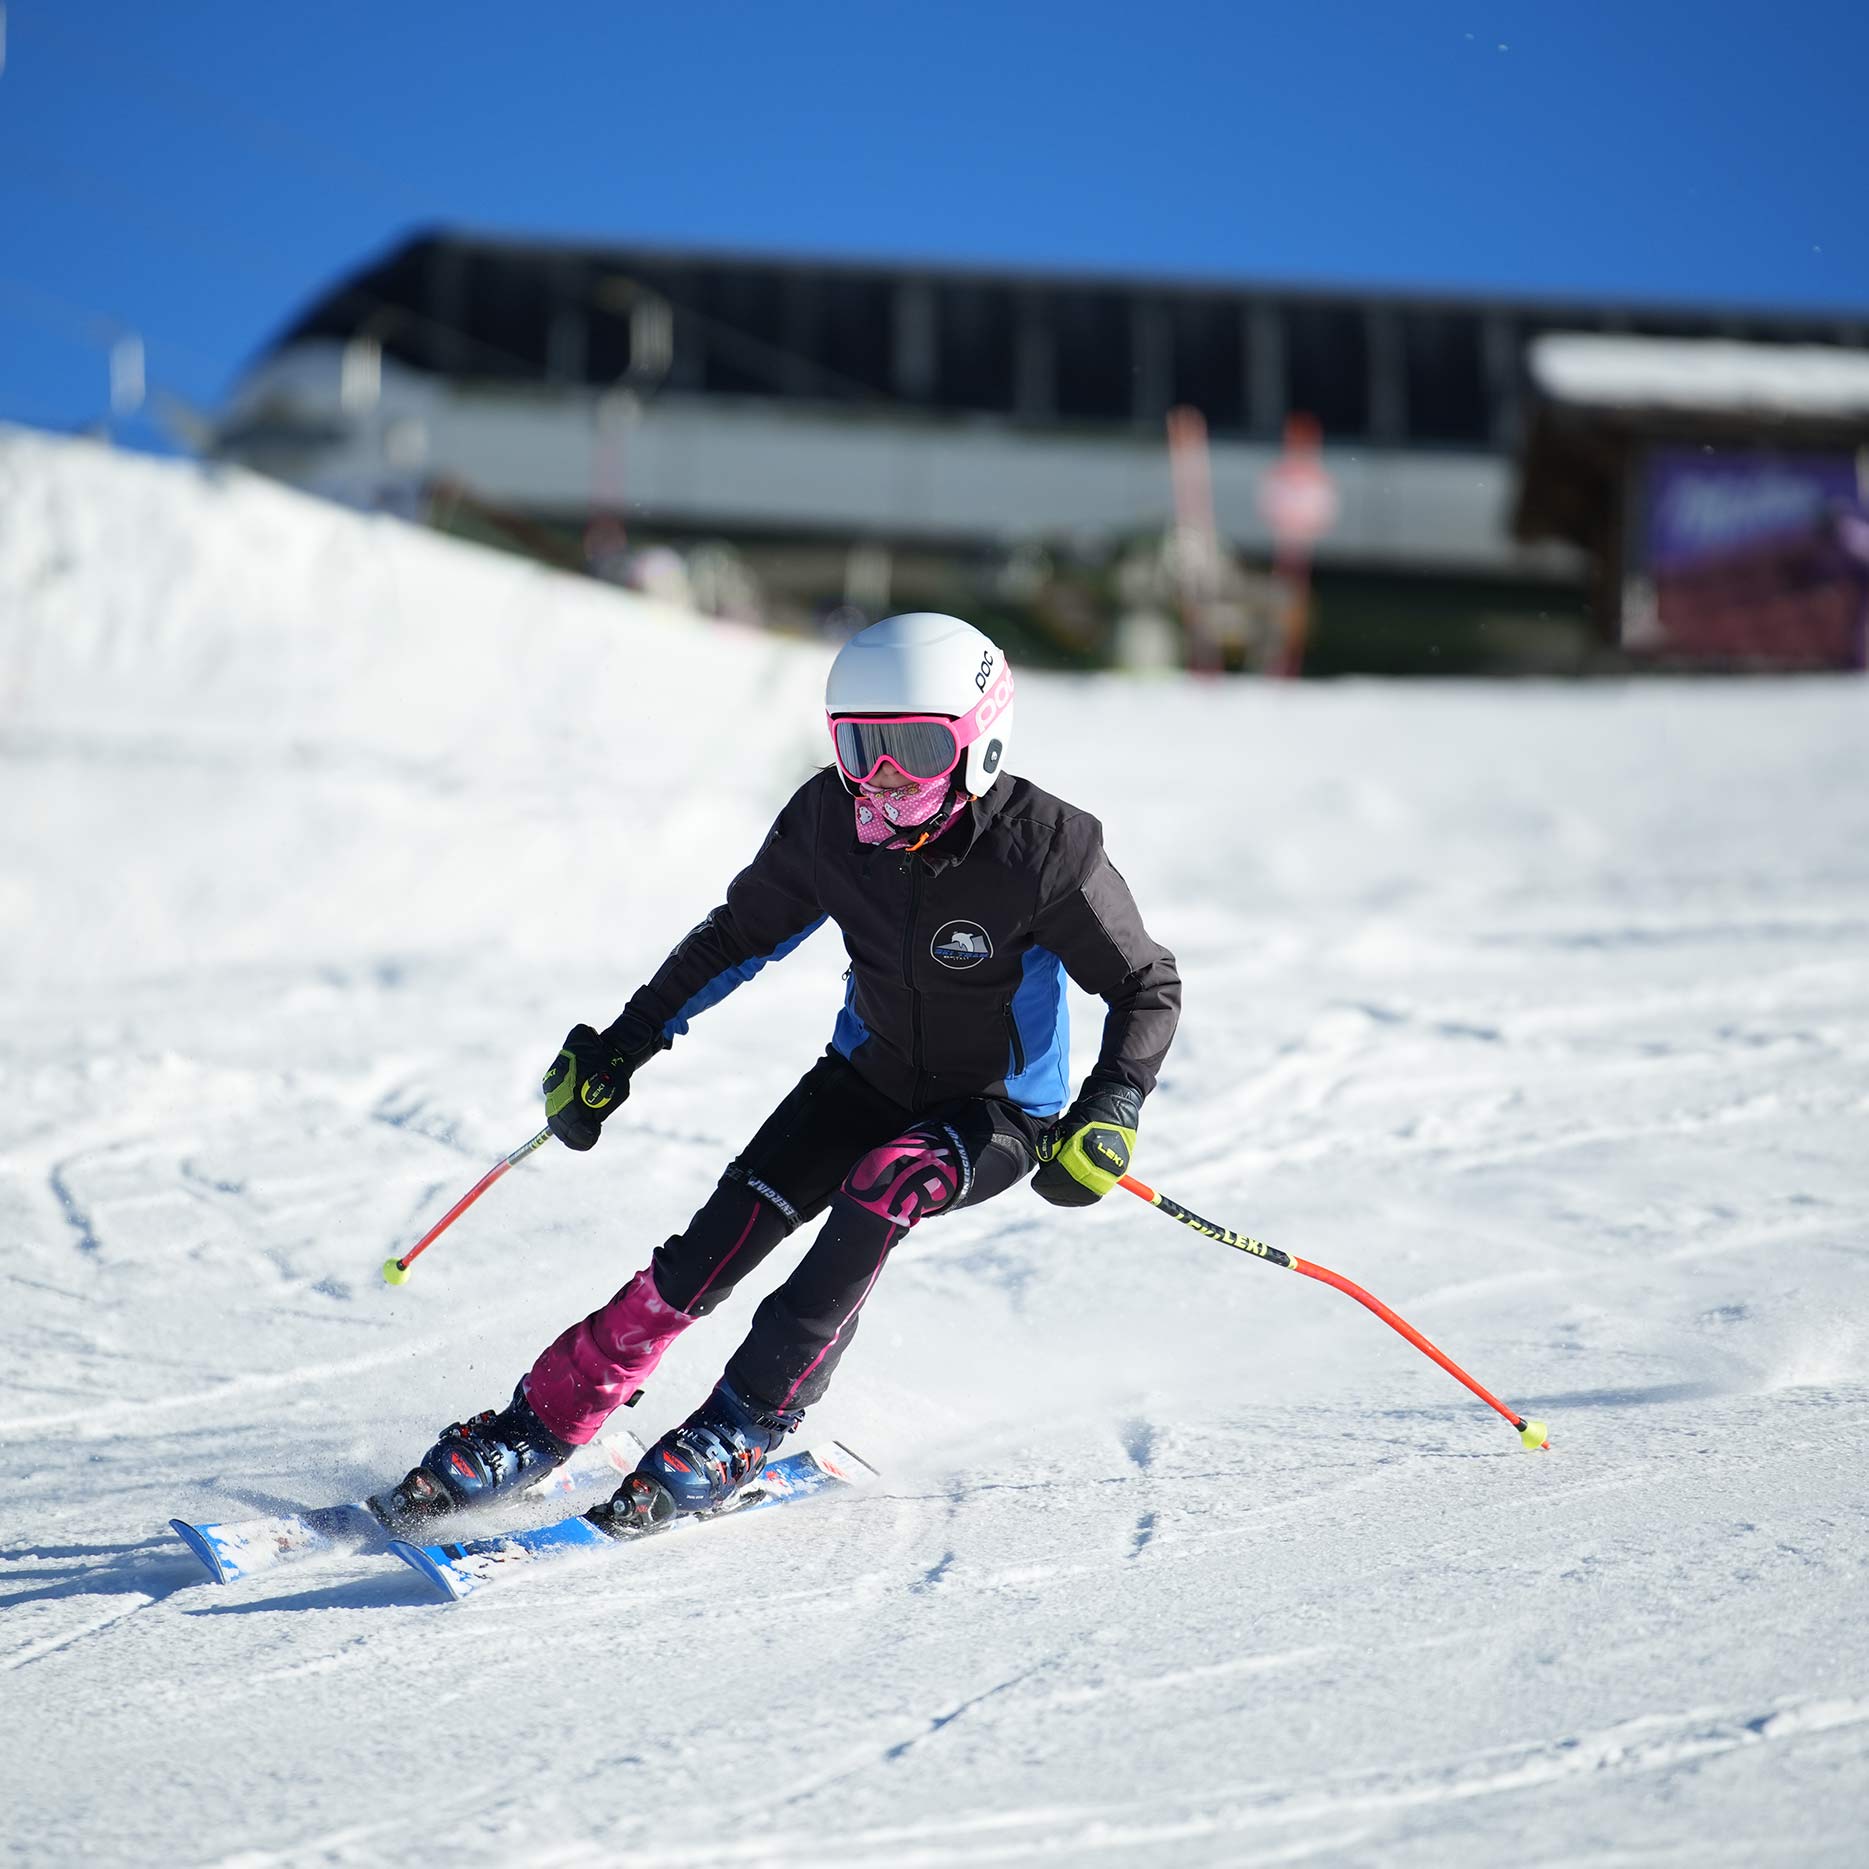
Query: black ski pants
pixel 879 1168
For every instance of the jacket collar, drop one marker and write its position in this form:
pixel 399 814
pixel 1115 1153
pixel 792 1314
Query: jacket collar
pixel 954 844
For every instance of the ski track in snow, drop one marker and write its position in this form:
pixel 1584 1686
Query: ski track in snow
pixel 1541 1011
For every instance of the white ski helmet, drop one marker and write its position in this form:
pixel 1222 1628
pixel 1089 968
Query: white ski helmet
pixel 926 663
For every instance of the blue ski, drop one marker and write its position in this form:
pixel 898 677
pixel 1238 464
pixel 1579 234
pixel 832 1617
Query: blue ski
pixel 242 1547
pixel 458 1570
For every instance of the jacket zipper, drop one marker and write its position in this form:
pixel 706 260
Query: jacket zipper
pixel 908 979
pixel 1018 1044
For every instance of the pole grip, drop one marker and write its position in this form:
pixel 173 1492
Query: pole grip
pixel 526 1148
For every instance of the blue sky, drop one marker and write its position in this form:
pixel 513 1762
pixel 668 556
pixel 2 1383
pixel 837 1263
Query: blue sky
pixel 198 171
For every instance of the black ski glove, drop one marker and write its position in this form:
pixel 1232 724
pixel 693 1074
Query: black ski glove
pixel 1088 1149
pixel 590 1077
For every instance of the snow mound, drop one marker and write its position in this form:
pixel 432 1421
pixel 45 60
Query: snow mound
pixel 231 634
pixel 1541 1011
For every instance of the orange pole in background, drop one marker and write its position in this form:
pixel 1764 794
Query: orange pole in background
pixel 1292 567
pixel 1299 501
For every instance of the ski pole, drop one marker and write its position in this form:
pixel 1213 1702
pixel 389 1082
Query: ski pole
pixel 396 1271
pixel 1532 1433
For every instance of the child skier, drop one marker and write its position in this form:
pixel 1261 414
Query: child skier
pixel 964 896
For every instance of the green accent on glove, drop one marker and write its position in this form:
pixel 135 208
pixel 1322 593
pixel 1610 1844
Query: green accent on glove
pixel 1096 1155
pixel 561 1083
pixel 1089 1148
pixel 588 1081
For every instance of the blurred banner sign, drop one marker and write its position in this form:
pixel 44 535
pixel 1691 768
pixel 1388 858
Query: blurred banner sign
pixel 1739 559
pixel 1701 504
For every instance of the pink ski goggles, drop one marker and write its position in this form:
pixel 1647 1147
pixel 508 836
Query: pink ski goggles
pixel 922 746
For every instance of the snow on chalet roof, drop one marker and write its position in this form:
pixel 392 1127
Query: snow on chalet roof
pixel 1710 376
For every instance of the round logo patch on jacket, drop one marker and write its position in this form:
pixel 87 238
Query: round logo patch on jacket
pixel 961 944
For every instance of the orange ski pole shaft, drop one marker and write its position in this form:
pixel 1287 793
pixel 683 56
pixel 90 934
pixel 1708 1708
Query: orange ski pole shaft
pixel 395 1271
pixel 1532 1433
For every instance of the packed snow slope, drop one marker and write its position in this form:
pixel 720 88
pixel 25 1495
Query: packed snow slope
pixel 1541 1011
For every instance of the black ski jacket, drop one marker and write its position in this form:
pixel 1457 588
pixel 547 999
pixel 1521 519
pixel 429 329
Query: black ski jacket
pixel 958 952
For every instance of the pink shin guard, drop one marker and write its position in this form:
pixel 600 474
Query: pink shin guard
pixel 597 1365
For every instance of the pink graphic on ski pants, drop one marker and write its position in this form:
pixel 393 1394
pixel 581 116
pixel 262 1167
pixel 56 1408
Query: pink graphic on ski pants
pixel 597 1365
pixel 914 1175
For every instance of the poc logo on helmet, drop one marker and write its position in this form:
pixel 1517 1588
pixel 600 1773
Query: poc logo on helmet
pixel 961 945
pixel 995 703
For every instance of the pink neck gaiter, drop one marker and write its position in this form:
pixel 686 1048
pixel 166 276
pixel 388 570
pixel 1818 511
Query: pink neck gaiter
pixel 886 817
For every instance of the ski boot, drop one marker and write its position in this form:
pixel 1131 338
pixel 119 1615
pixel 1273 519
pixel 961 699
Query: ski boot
pixel 489 1456
pixel 698 1467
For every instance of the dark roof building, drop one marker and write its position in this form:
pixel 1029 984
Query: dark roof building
pixel 799 405
pixel 1719 489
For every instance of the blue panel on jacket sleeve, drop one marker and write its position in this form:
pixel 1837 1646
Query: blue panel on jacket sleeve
pixel 1044 1022
pixel 728 978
